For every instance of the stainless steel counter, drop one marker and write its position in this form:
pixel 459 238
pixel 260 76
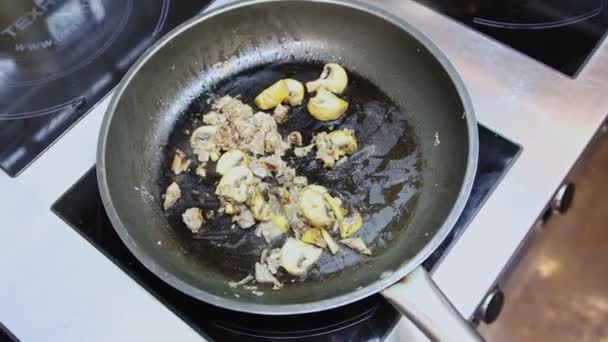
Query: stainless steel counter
pixel 55 286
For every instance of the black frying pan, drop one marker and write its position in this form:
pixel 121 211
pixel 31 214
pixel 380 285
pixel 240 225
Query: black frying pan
pixel 410 179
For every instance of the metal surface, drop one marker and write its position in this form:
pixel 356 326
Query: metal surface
pixel 76 287
pixel 563 198
pixel 185 63
pixel 491 306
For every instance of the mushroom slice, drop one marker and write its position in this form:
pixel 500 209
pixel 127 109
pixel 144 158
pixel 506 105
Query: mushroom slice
pixel 231 159
pixel 333 246
pixel 259 207
pixel 333 77
pixel 326 106
pixel 350 225
pixel 171 196
pixel 295 138
pixel 313 236
pixel 235 184
pixel 203 133
pixel 297 257
pixel 193 219
pixel 357 245
pixel 280 221
pixel 264 275
pixel 314 208
pixel 272 96
pixel 344 141
pixel 296 92
pixel 180 162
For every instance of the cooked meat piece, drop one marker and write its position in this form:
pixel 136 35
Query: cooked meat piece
pixel 259 168
pixel 193 219
pixel 200 171
pixel 244 219
pixel 357 245
pixel 245 128
pixel 243 281
pixel 300 181
pixel 233 108
pixel 274 143
pixel 325 152
pixel 171 196
pixel 180 162
pixel 286 175
pixel 295 138
pixel 214 119
pixel 264 275
pixel 272 260
pixel 268 231
pixel 302 152
pixel 257 144
pixel 280 114
pixel 227 138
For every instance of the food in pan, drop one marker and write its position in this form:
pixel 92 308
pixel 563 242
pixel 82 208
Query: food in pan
pixel 258 186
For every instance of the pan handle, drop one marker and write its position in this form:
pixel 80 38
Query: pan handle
pixel 419 299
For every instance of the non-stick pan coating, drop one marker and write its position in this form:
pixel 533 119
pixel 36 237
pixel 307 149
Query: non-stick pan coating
pixel 156 100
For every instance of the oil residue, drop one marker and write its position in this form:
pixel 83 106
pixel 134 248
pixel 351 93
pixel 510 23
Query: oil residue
pixel 380 180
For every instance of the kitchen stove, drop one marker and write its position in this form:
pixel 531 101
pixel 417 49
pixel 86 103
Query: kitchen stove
pixel 370 319
pixel 58 58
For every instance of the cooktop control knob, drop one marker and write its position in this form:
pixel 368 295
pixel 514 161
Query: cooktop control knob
pixel 491 306
pixel 562 200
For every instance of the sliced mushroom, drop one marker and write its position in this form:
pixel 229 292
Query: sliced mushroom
pixel 231 159
pixel 350 225
pixel 297 257
pixel 280 221
pixel 235 184
pixel 296 92
pixel 295 138
pixel 259 207
pixel 314 208
pixel 203 133
pixel 344 141
pixel 171 196
pixel 326 106
pixel 333 246
pixel 313 236
pixel 180 162
pixel 272 96
pixel 333 77
pixel 193 219
pixel 357 245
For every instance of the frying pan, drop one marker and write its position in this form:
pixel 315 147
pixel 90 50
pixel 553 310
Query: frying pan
pixel 410 178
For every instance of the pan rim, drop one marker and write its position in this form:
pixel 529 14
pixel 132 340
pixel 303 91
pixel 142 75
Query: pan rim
pixel 406 267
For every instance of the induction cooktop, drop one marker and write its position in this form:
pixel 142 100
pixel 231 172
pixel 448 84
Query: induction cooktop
pixel 58 58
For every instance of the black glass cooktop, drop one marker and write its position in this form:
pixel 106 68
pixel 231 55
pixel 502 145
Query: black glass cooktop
pixel 368 320
pixel 562 34
pixel 58 58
